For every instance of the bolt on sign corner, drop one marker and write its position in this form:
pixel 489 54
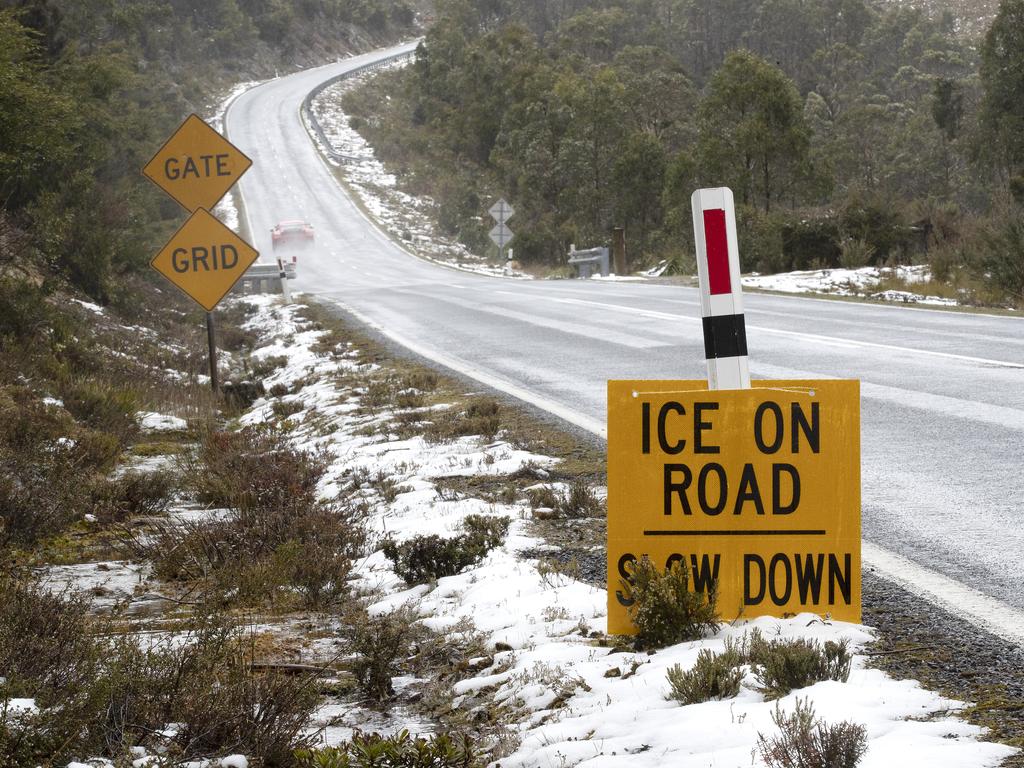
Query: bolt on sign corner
pixel 756 491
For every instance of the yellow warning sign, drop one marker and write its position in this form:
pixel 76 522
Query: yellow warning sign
pixel 204 259
pixel 197 165
pixel 756 491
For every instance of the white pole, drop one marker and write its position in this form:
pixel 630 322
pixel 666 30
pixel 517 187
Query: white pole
pixel 721 292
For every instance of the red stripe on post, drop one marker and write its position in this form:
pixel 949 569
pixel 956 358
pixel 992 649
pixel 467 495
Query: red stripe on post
pixel 717 247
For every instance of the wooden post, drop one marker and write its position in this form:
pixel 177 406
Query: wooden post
pixel 619 250
pixel 212 342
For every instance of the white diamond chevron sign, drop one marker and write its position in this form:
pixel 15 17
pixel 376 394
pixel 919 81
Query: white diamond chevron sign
pixel 501 212
pixel 501 234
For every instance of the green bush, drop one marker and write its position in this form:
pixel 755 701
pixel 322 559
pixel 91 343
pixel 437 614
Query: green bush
pixel 1000 260
pixel 810 239
pixel 398 751
pixel 782 666
pixel 102 406
pixel 713 676
pixel 380 644
pixel 424 559
pixel 804 741
pixel 664 609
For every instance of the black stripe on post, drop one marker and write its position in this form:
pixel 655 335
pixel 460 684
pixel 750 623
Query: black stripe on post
pixel 724 336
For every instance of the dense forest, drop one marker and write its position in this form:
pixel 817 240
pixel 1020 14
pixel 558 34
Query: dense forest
pixel 852 132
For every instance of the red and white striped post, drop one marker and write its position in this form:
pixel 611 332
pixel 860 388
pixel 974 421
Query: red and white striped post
pixel 721 297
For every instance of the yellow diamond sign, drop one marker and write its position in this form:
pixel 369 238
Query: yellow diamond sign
pixel 204 259
pixel 197 165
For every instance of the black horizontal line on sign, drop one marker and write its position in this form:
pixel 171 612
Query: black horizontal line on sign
pixel 735 533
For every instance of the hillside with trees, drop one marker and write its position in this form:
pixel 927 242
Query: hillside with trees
pixel 851 132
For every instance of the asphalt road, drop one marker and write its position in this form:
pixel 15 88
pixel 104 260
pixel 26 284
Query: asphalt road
pixel 943 392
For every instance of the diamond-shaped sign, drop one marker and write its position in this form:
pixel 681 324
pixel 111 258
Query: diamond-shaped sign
pixel 204 259
pixel 501 211
pixel 197 165
pixel 501 234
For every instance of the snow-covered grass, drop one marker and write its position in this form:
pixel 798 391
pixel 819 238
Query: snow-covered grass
pixel 865 282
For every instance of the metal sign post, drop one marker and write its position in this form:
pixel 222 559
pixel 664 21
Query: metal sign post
pixel 197 166
pixel 501 212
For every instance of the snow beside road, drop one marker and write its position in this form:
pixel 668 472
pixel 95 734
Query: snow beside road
pixel 852 282
pixel 570 701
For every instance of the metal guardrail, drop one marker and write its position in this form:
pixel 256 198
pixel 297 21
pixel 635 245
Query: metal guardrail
pixel 264 278
pixel 588 260
pixel 307 103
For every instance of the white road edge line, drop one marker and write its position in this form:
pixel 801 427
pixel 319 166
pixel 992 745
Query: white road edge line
pixel 819 338
pixel 953 596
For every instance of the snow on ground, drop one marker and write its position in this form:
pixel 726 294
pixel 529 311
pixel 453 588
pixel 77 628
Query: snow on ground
pixel 571 702
pixel 407 219
pixel 150 422
pixel 851 282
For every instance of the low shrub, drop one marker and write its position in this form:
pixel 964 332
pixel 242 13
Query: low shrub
pixel 481 416
pixel 102 406
pixel 47 465
pixel 265 366
pixel 713 676
pixel 782 666
pixel 423 559
pixel 805 741
pixel 664 609
pixel 282 409
pixel 132 494
pixel 380 644
pixel 398 751
pixel 253 469
pixel 577 501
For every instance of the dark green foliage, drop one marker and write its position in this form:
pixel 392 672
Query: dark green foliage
pixel 423 559
pixel 1002 72
pixel 398 751
pixel 664 609
pixel 594 116
pixel 782 666
pixel 713 676
pixel 805 741
pixel 1001 257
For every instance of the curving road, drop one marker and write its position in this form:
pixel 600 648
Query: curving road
pixel 943 392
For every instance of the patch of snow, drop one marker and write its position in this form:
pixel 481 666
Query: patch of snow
pixel 150 422
pixel 850 282
pixel 234 761
pixel 53 401
pixel 96 309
